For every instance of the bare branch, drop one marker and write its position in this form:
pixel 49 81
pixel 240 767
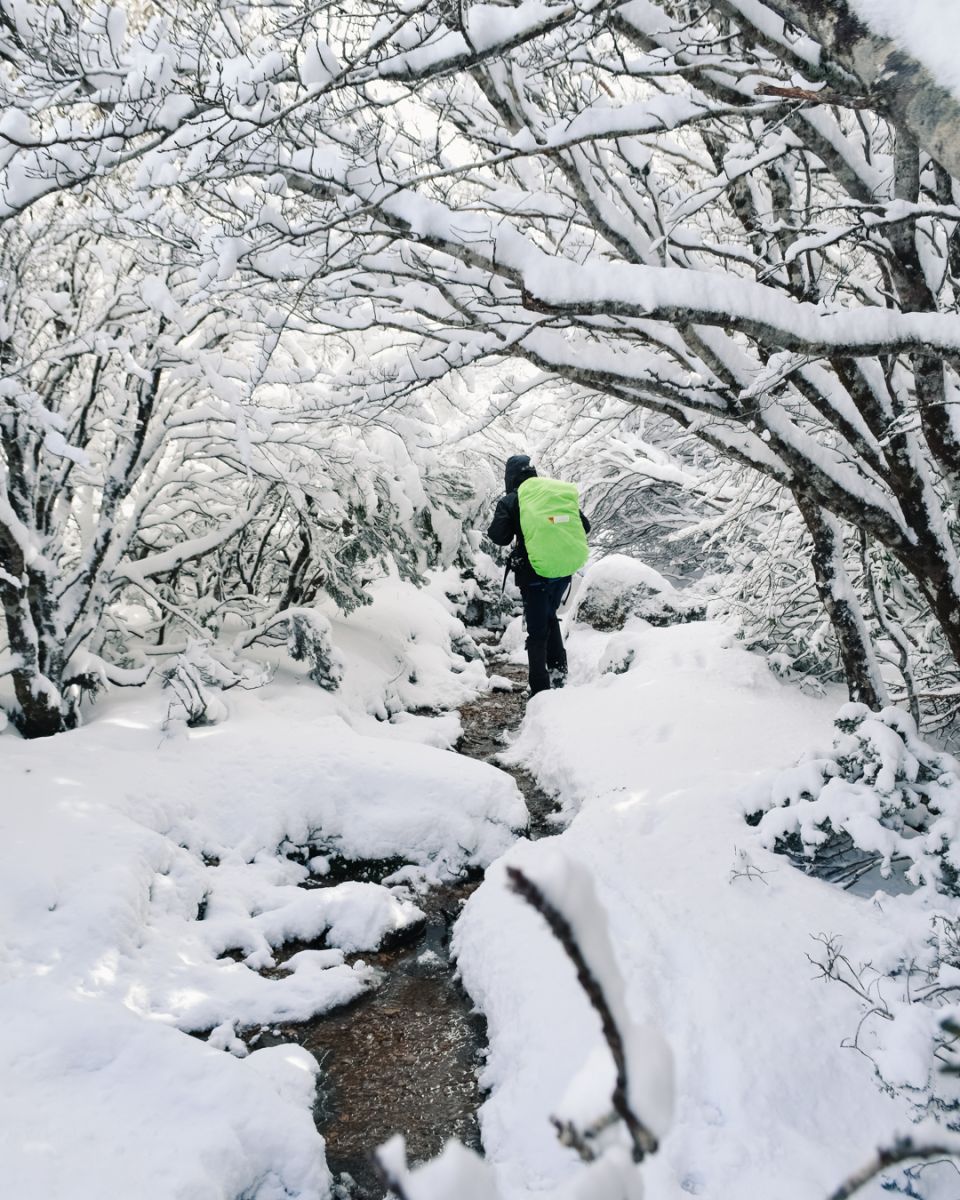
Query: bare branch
pixel 903 1150
pixel 644 1142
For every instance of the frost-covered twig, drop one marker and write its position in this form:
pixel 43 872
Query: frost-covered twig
pixel 836 966
pixel 643 1140
pixel 745 868
pixel 902 1150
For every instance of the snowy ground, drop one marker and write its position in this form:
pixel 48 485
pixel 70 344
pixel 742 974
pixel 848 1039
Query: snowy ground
pixel 146 875
pixel 656 763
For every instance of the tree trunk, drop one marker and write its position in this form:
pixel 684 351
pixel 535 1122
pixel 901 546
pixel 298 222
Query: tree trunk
pixel 39 700
pixel 903 89
pixel 864 682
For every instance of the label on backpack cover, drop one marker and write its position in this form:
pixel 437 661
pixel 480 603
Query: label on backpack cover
pixel 552 529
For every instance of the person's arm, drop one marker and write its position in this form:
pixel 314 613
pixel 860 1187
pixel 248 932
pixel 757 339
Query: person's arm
pixel 502 529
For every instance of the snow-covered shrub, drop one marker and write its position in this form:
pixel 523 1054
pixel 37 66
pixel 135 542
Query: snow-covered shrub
pixel 619 654
pixel 911 1016
pixel 475 586
pixel 197 676
pixel 617 588
pixel 406 651
pixel 308 640
pixel 307 636
pixel 880 796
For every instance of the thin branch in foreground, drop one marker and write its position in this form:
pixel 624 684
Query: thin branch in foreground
pixel 902 1150
pixel 644 1142
pixel 387 1180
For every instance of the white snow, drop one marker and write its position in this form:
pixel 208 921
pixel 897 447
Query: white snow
pixel 929 30
pixel 116 838
pixel 147 878
pixel 655 766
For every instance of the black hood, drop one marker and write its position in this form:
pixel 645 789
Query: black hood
pixel 518 469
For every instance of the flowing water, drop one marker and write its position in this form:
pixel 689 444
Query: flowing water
pixel 404 1058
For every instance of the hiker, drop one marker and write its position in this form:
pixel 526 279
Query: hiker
pixel 544 517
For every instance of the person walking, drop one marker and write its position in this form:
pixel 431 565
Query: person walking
pixel 542 517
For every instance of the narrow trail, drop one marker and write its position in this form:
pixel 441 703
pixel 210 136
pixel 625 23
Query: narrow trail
pixel 404 1058
pixel 484 722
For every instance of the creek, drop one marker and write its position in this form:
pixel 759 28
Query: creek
pixel 405 1057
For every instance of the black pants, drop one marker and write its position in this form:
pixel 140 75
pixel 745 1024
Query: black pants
pixel 546 656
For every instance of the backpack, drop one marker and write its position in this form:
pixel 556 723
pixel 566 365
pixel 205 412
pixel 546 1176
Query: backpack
pixel 552 529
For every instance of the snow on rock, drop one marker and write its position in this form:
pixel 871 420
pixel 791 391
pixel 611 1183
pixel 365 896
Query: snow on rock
pixel 618 587
pixel 358 796
pixel 654 762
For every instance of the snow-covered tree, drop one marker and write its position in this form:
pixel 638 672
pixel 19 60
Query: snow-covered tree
pixel 738 216
pixel 166 442
pixel 615 203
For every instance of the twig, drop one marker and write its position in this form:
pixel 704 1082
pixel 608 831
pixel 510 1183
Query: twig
pixel 747 869
pixel 902 1150
pixel 580 1139
pixel 643 1140
pixel 388 1181
pixel 569 1135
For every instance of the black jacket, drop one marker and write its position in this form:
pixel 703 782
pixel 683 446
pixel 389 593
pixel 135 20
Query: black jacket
pixel 505 526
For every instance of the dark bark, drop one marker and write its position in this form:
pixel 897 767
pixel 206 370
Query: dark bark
pixel 862 672
pixel 40 705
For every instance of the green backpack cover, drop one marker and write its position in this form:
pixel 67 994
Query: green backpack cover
pixel 552 529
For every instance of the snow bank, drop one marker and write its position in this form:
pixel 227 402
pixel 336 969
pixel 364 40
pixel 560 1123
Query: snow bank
pixel 653 763
pixel 145 881
pixel 98 1102
pixel 627 730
